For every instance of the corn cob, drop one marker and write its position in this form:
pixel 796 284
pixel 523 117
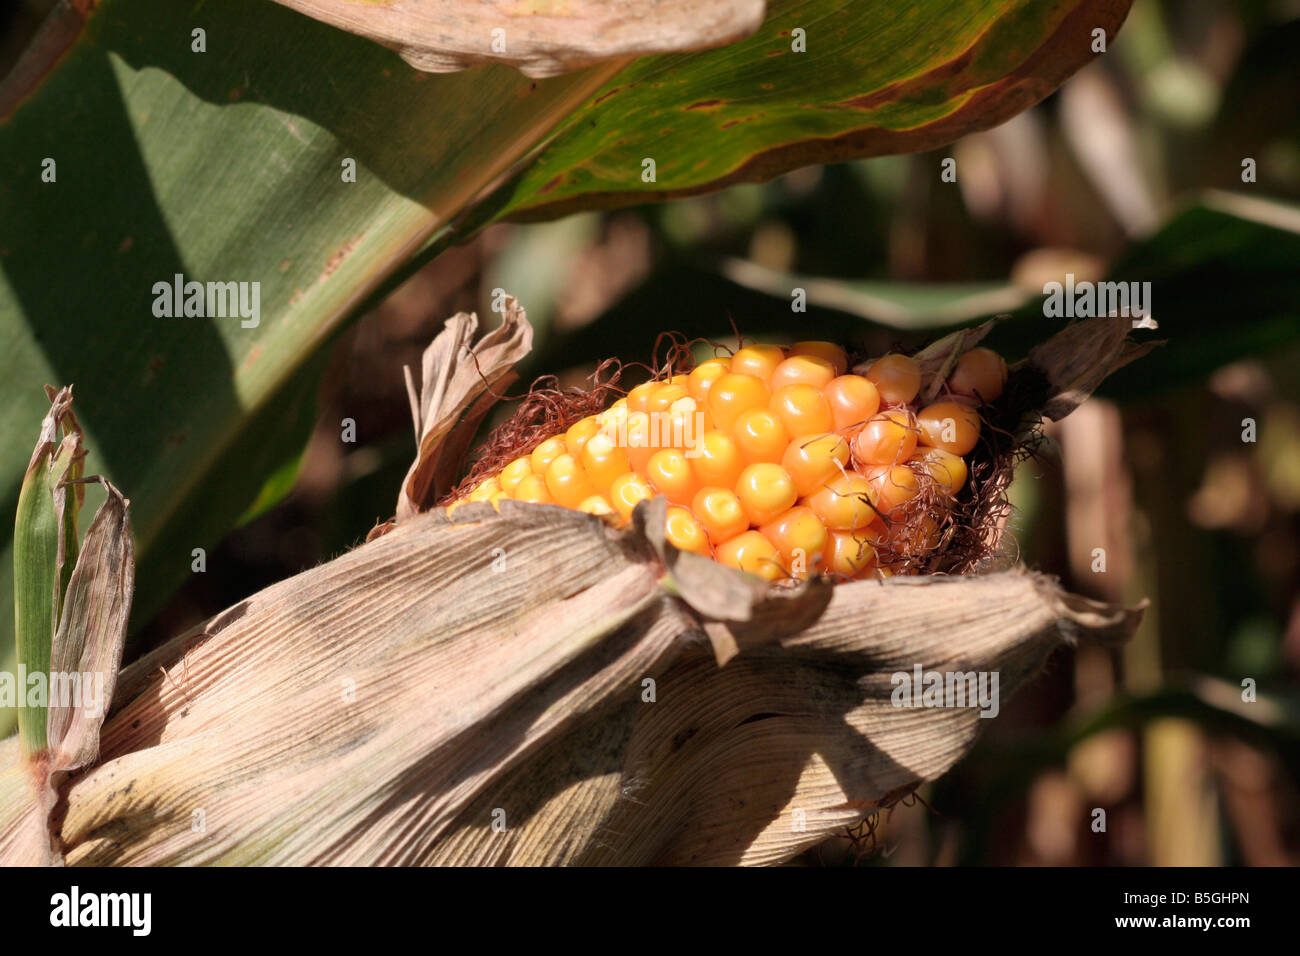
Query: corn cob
pixel 775 461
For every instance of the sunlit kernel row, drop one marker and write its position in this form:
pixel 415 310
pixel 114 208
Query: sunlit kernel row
pixel 777 461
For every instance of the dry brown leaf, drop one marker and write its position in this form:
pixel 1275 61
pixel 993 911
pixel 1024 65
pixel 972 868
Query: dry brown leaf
pixel 1079 357
pixel 382 709
pixel 460 379
pixel 538 37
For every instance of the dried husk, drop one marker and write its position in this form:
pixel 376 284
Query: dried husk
pixel 537 687
pixel 80 632
pixel 539 39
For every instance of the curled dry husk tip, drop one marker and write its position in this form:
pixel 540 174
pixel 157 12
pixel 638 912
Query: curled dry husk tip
pixel 536 686
pixel 538 38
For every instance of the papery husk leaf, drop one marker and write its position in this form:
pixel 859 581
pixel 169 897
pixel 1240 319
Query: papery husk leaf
pixel 460 379
pixel 92 630
pixel 540 39
pixel 1079 357
pixel 528 709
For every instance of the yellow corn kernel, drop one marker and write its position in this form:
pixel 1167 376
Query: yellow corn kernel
pixel 853 400
pixel 759 361
pixel 765 490
pixel 734 393
pixel 568 482
pixel 803 410
pixel 684 532
pixel 800 538
pixel 670 473
pixel 515 472
pixel 626 491
pixel 484 490
pixel 753 553
pixel 897 378
pixel 720 512
pixel 814 460
pixel 532 488
pixel 547 452
pixel 760 436
pixel 846 503
pixel 828 352
pixel 952 426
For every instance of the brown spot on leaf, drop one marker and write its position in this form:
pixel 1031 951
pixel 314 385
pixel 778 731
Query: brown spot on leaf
pixel 340 255
pixel 705 105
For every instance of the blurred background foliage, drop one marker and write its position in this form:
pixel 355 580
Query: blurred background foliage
pixel 1132 170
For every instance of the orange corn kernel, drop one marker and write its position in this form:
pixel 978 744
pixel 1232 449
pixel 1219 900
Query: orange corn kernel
pixel 814 460
pixel 704 375
pixel 952 426
pixel 947 470
pixel 580 433
pixel 626 491
pixel 897 378
pixel 662 398
pixel 596 505
pixel 734 393
pixel 760 436
pixel 684 532
pixel 848 552
pixel 716 460
pixel 845 504
pixel 895 486
pixel 753 553
pixel 828 352
pixel 802 370
pixel 670 472
pixel 637 398
pixel 887 438
pixel 853 400
pixel 765 490
pixel 568 482
pixel 603 460
pixel 515 472
pixel 800 538
pixel 980 374
pixel 532 488
pixel 547 452
pixel 803 410
pixel 720 512
pixel 758 360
